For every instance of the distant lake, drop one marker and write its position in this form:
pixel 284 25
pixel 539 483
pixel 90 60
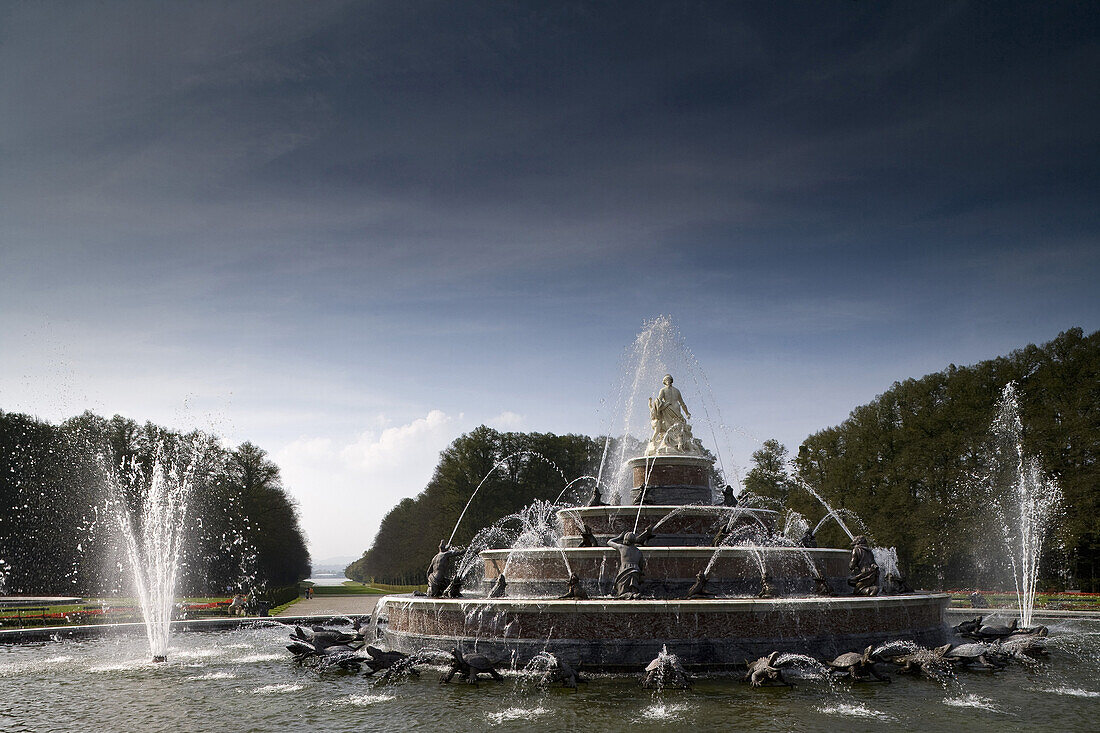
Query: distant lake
pixel 327 579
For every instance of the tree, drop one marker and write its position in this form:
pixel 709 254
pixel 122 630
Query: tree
pixel 905 462
pixel 769 477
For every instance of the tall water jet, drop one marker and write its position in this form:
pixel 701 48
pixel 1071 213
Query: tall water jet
pixel 1024 500
pixel 150 511
pixel 658 350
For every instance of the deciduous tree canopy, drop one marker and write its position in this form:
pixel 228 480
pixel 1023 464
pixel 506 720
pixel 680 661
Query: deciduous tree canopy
pixel 410 533
pixel 57 536
pixel 905 463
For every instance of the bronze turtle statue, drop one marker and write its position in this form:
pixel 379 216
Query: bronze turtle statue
pixel 1026 647
pixel 665 671
pixel 764 671
pixel 470 666
pixel 858 667
pixel 558 670
pixel 392 662
pixel 991 632
pixel 326 647
pixel 931 662
pixel 984 655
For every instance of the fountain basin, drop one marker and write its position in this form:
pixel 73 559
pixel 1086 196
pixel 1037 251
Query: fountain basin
pixel 670 571
pixel 676 525
pixel 616 635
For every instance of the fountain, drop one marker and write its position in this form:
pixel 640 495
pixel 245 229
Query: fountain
pixel 709 582
pixel 623 582
pixel 1025 501
pixel 150 512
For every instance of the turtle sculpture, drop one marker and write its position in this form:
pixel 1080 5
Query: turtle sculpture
pixel 561 671
pixel 665 671
pixel 327 647
pixel 1026 647
pixel 965 628
pixel 471 666
pixel 766 670
pixel 391 661
pixel 984 655
pixel 992 632
pixel 931 662
pixel 858 667
pixel 319 638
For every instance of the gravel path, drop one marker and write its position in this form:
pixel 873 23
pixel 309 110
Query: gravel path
pixel 321 605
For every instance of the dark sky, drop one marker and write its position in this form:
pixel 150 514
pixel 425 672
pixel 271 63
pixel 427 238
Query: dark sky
pixel 314 221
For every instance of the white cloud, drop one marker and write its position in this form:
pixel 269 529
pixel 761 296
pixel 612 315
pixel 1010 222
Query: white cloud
pixel 344 488
pixel 506 420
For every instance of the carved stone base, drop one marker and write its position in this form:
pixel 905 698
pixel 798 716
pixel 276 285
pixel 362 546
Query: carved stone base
pixel 671 479
pixel 625 635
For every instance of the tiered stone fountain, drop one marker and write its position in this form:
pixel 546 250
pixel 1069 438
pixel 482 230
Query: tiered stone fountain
pixel 759 597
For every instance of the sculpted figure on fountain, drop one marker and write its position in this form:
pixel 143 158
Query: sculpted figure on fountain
pixel 631 566
pixel 671 432
pixel 441 570
pixel 864 577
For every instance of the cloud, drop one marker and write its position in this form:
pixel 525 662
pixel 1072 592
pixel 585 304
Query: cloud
pixel 506 420
pixel 344 488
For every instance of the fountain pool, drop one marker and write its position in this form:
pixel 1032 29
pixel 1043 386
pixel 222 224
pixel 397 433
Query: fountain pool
pixel 244 680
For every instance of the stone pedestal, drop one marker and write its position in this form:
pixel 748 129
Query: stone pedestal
pixel 671 480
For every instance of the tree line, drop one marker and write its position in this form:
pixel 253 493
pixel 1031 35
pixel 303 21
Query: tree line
pixel 532 467
pixel 58 533
pixel 909 462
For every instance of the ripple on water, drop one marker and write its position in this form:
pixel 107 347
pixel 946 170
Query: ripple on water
pixel 1071 691
pixel 254 658
pixel 10 670
pixel 509 714
pixel 277 689
pixel 126 666
pixel 213 676
pixel 971 701
pixel 854 710
pixel 194 653
pixel 356 700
